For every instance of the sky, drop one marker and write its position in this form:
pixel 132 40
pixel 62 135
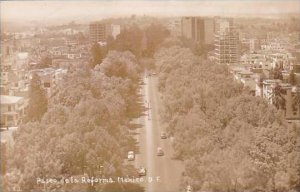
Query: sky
pixel 80 10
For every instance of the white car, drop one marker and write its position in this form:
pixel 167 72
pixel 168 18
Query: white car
pixel 163 135
pixel 189 188
pixel 130 156
pixel 142 171
pixel 160 152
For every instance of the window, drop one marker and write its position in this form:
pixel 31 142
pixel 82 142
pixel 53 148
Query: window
pixel 47 85
pixel 10 118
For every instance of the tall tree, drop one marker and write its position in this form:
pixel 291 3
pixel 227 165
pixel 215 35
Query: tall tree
pixel 130 39
pixel 278 97
pixel 98 53
pixel 277 73
pixel 292 77
pixel 216 124
pixel 37 100
pixel 155 34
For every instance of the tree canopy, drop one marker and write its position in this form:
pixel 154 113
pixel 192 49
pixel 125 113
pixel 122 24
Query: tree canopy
pixel 37 100
pixel 228 139
pixel 85 131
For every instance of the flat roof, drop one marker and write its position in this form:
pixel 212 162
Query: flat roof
pixel 246 73
pixel 22 55
pixel 7 99
pixel 271 81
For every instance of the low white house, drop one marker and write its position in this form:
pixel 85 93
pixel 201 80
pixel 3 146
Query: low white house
pixel 12 110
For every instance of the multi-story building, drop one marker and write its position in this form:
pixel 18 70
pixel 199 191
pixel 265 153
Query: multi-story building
pixel 174 26
pixel 251 59
pixel 99 31
pixel 14 79
pixel 268 89
pixel 198 29
pixel 226 42
pixel 290 94
pixel 12 110
pixel 253 45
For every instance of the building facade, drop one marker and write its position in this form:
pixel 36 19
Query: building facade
pixel 12 110
pixel 198 29
pixel 99 31
pixel 226 42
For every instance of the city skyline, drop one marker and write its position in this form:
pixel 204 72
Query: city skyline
pixel 49 11
pixel 150 96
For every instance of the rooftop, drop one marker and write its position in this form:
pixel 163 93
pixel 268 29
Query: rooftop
pixel 7 99
pixel 272 81
pixel 22 55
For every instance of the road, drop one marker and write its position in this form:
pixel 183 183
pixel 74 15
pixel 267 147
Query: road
pixel 164 171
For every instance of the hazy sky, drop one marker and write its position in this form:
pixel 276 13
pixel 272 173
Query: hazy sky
pixel 82 10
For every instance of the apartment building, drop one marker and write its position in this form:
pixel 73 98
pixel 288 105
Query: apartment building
pixel 226 42
pixel 101 30
pixel 198 29
pixel 12 110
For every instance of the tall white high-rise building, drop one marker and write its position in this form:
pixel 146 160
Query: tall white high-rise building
pixel 226 42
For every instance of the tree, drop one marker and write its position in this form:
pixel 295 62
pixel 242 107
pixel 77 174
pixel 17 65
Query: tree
pixel 45 62
pixel 228 139
pixel 277 73
pixel 37 100
pixel 292 78
pixel 278 97
pixel 296 99
pixel 98 53
pixel 120 64
pixel 88 105
pixel 155 34
pixel 81 38
pixel 7 50
pixel 3 157
pixel 130 39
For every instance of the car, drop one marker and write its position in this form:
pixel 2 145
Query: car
pixel 160 152
pixel 142 171
pixel 163 135
pixel 130 156
pixel 153 74
pixel 189 188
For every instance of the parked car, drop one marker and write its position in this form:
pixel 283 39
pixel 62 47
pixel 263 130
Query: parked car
pixel 160 152
pixel 189 188
pixel 130 156
pixel 163 135
pixel 142 171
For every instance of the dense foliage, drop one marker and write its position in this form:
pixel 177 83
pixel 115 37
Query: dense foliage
pixel 85 131
pixel 228 140
pixel 98 53
pixel 141 42
pixel 37 100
